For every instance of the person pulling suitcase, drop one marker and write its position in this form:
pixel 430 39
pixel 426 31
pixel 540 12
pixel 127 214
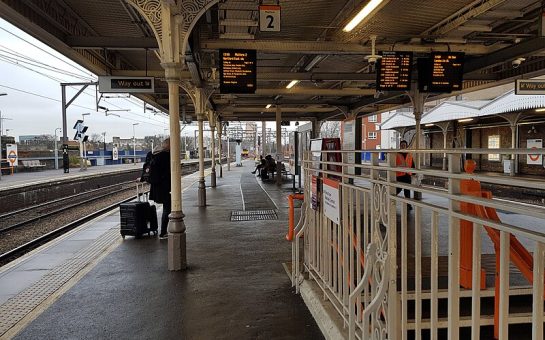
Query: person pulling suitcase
pixel 159 179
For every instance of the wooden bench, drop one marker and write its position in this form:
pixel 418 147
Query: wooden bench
pixel 33 164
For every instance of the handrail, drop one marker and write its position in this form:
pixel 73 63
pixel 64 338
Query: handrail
pixel 370 254
pixel 297 252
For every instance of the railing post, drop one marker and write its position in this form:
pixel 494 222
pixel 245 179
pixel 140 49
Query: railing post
pixel 394 312
pixel 454 252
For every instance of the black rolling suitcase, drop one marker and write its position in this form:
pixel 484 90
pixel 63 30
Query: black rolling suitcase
pixel 136 215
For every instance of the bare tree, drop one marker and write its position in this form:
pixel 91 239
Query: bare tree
pixel 330 129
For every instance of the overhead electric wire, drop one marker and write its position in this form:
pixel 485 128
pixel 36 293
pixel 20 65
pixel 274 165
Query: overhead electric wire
pixel 39 95
pixel 33 62
pixel 18 63
pixel 88 94
pixel 49 53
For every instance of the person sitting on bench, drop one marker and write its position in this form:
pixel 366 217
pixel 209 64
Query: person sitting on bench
pixel 260 166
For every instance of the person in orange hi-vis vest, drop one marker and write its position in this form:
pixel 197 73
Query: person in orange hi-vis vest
pixel 404 160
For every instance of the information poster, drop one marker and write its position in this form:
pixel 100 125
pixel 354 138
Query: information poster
pixel 534 159
pixel 11 152
pixel 332 206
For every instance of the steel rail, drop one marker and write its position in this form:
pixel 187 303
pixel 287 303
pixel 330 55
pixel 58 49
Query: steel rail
pixel 53 234
pixel 58 211
pixel 22 210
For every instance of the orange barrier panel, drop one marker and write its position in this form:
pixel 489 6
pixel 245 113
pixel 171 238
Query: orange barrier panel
pixel 518 254
pixel 291 214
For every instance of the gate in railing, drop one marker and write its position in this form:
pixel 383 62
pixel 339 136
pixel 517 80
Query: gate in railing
pixel 398 268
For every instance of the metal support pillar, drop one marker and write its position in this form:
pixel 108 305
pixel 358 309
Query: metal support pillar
pixel 220 143
pixel 513 119
pixel 263 137
pixel 176 227
pixel 315 128
pixel 213 147
pixel 418 102
pixel 279 151
pixel 444 129
pixel 513 146
pixel 228 148
pixel 202 185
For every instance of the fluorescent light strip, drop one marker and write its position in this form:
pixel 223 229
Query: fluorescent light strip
pixel 292 84
pixel 465 120
pixel 268 106
pixel 428 125
pixel 540 110
pixel 370 7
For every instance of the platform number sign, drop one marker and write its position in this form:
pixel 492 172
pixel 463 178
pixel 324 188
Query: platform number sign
pixel 269 18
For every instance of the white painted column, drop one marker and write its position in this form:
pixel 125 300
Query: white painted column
pixel 176 227
pixel 213 147
pixel 279 153
pixel 202 185
pixel 220 146
pixel 263 137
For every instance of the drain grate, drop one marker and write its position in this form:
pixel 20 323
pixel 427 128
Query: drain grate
pixel 253 215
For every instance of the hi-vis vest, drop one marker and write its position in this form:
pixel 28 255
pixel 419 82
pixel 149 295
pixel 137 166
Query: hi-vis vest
pixel 404 162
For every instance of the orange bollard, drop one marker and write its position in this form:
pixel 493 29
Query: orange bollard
pixel 291 214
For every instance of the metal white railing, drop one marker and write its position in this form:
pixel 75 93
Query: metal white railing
pixel 398 268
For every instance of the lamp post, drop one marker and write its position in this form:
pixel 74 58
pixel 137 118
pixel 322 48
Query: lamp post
pixel 134 142
pixel 1 94
pixel 57 150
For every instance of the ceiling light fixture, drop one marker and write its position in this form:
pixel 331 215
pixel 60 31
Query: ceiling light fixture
pixel 292 84
pixel 540 110
pixel 428 125
pixel 368 9
pixel 268 106
pixel 465 120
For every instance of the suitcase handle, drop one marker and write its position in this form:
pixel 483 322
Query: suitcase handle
pixel 143 193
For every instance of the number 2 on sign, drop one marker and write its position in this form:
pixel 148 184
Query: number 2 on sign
pixel 271 20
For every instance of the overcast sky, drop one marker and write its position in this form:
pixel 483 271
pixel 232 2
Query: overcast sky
pixel 30 113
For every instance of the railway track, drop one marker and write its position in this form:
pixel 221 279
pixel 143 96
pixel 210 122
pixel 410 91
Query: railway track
pixel 26 229
pixel 23 217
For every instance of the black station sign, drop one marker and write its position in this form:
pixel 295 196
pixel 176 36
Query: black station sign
pixel 109 84
pixel 394 71
pixel 238 71
pixel 530 86
pixel 442 72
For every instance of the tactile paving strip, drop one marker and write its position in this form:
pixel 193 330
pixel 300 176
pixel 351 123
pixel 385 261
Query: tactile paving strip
pixel 17 307
pixel 253 215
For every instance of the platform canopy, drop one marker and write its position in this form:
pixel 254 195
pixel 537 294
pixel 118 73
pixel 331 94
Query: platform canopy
pixel 530 105
pixel 117 37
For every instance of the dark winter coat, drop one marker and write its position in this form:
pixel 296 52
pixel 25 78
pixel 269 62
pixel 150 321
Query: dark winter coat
pixel 160 192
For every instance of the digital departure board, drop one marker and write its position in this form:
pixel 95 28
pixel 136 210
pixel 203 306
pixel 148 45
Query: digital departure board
pixel 442 72
pixel 394 71
pixel 237 71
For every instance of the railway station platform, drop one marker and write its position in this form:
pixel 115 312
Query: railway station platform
pixel 91 284
pixel 40 177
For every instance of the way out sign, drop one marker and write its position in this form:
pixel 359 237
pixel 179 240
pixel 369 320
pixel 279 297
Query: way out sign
pixel 11 152
pixel 534 159
pixel 269 18
pixel 332 204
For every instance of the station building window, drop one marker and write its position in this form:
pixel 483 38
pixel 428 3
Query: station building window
pixel 372 135
pixel 373 119
pixel 494 143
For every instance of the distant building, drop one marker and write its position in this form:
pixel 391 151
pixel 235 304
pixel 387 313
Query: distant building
pixel 35 139
pixel 128 143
